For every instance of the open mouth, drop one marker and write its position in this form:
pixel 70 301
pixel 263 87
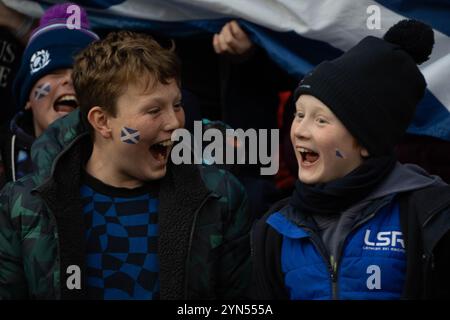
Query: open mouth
pixel 161 149
pixel 66 103
pixel 309 157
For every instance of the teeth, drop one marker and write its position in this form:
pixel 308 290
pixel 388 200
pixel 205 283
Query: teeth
pixel 305 150
pixel 166 143
pixel 68 97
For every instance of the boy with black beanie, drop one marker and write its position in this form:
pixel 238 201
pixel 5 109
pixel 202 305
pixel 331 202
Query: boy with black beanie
pixel 359 225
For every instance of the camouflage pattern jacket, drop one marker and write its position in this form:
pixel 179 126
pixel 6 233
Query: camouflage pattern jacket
pixel 203 246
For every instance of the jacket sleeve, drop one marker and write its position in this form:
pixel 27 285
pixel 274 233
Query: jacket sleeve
pixel 12 277
pixel 234 262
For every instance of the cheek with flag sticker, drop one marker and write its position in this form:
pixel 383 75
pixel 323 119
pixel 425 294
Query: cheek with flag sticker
pixel 42 91
pixel 130 136
pixel 339 154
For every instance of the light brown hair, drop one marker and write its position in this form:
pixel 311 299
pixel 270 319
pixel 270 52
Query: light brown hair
pixel 104 69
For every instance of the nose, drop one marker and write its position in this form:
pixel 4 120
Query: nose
pixel 174 120
pixel 301 129
pixel 66 79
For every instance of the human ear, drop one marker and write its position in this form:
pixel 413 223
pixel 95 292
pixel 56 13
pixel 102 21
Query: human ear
pixel 28 105
pixel 99 120
pixel 364 153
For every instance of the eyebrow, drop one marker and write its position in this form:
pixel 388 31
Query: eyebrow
pixel 314 107
pixel 158 100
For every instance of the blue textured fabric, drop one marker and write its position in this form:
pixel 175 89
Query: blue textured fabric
pixel 121 236
pixel 372 264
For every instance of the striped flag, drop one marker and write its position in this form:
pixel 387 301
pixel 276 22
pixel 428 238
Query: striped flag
pixel 296 34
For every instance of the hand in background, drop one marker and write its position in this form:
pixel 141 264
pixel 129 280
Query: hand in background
pixel 232 40
pixel 19 24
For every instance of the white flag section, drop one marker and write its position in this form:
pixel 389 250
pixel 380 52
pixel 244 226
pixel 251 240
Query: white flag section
pixel 297 34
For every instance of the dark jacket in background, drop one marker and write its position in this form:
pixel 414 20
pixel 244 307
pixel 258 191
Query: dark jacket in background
pixel 15 148
pixel 430 153
pixel 10 54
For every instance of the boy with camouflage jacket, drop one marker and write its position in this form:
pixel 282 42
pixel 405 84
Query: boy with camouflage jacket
pixel 106 215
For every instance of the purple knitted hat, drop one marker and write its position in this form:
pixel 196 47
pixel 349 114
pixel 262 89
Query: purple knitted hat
pixel 52 46
pixel 58 14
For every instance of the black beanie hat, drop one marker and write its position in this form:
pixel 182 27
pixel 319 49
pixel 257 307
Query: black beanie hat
pixel 375 86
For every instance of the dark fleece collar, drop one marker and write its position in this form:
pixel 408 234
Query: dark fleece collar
pixel 181 196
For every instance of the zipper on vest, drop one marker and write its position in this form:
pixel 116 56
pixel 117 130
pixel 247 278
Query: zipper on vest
pixel 333 272
pixel 334 263
pixel 329 261
pixel 357 225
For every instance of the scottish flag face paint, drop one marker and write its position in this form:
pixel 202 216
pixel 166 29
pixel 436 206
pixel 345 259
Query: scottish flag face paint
pixel 130 136
pixel 141 131
pixel 42 91
pixel 339 154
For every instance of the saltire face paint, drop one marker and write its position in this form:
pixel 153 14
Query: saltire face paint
pixel 130 136
pixel 339 154
pixel 42 90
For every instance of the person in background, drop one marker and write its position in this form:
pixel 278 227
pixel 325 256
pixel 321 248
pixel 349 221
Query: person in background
pixel 251 84
pixel 430 153
pixel 42 87
pixel 15 29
